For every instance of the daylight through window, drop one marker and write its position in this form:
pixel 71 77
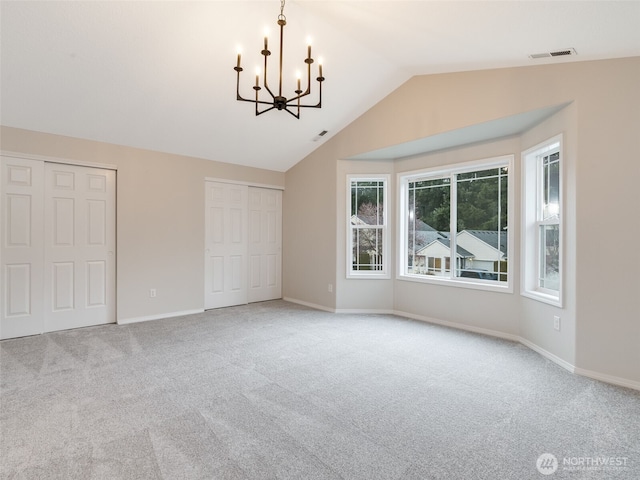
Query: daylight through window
pixel 549 222
pixel 455 223
pixel 367 242
pixel 542 226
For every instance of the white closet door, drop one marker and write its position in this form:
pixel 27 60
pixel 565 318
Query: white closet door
pixel 225 245
pixel 265 244
pixel 79 247
pixel 21 255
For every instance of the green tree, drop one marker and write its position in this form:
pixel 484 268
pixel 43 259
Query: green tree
pixel 481 201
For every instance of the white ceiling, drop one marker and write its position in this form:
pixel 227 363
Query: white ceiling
pixel 159 75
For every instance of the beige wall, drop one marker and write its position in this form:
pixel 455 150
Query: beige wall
pixel 160 217
pixel 309 230
pixel 600 332
pixel 607 174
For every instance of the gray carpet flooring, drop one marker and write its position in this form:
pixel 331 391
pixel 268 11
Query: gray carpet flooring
pixel 279 391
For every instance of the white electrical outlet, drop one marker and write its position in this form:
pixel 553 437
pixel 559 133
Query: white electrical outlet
pixel 556 322
pixel 330 288
pixel 152 293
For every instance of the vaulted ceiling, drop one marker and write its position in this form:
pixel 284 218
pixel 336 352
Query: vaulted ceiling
pixel 159 75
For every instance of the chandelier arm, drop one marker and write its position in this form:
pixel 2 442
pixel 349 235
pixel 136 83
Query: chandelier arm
pixel 308 92
pixel 298 97
pixel 264 79
pixel 266 110
pixel 294 114
pixel 240 98
pixel 317 105
pixel 261 102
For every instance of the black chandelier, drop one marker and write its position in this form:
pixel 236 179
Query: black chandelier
pixel 278 101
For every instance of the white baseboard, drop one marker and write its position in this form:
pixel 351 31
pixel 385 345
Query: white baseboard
pixel 310 305
pixel 365 311
pixel 126 321
pixel 460 326
pixel 548 355
pixel 622 382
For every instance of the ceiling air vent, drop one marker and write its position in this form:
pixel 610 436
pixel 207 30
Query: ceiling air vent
pixel 320 135
pixel 557 53
pixel 560 53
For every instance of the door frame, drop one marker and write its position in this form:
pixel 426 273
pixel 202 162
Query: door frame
pixel 240 182
pixel 49 159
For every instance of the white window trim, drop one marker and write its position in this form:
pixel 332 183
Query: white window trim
pixel 369 274
pixel 403 179
pixel 530 251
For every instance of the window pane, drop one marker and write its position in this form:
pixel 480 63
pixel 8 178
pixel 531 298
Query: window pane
pixel 428 225
pixel 481 234
pixel 367 248
pixel 366 202
pixel 376 255
pixel 550 257
pixel 551 186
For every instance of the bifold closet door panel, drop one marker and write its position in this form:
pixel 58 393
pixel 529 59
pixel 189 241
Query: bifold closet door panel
pixel 225 245
pixel 21 254
pixel 79 246
pixel 265 244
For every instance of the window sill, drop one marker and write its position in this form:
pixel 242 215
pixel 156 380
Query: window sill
pixel 542 297
pixel 368 276
pixel 457 283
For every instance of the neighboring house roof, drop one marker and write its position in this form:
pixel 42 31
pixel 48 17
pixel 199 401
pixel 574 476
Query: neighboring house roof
pixel 423 227
pixel 425 237
pixel 364 220
pixel 460 252
pixel 424 234
pixel 491 238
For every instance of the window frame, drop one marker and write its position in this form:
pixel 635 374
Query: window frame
pixel 384 273
pixel 533 221
pixel 449 171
